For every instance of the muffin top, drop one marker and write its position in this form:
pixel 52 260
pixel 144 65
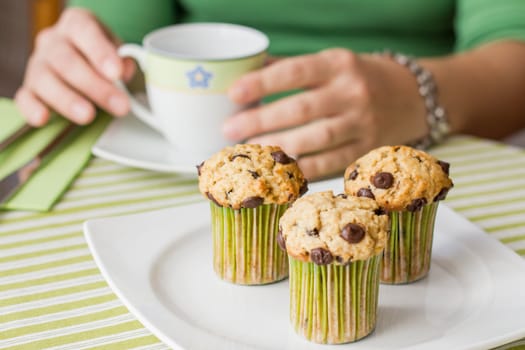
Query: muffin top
pixel 248 175
pixel 398 178
pixel 323 228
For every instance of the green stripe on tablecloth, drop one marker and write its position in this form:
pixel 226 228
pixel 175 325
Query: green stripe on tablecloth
pixel 520 237
pixel 476 171
pixel 61 307
pixel 42 253
pixel 76 337
pixel 88 207
pixel 37 241
pixel 497 215
pixel 489 204
pixel 158 186
pixel 495 157
pixel 48 265
pixel 477 183
pixel 66 322
pixel 128 344
pixel 78 222
pixel 460 153
pixel 49 279
pixel 137 179
pixel 52 293
pixel 113 172
pixel 507 226
pixel 99 162
pixel 453 197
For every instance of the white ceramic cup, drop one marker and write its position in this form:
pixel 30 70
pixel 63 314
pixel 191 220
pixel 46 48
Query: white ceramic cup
pixel 188 69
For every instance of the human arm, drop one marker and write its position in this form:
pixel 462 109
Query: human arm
pixel 481 87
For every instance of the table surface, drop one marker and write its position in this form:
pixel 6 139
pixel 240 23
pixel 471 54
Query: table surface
pixel 52 294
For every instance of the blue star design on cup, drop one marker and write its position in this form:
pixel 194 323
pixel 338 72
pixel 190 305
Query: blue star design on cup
pixel 199 78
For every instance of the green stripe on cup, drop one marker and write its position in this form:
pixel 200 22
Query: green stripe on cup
pixel 169 74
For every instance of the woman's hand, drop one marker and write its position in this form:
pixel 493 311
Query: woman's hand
pixel 350 104
pixel 71 70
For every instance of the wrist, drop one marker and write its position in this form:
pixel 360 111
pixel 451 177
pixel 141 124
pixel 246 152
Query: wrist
pixel 397 103
pixel 438 127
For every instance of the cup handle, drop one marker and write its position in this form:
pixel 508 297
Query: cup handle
pixel 140 110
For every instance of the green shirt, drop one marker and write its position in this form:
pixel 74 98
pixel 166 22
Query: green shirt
pixel 417 27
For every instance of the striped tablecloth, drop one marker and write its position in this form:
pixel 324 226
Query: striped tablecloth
pixel 52 294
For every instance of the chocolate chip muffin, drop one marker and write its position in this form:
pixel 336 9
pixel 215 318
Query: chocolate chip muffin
pixel 408 184
pixel 334 245
pixel 249 187
pixel 246 176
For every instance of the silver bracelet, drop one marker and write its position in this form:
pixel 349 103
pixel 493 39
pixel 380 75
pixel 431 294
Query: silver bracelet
pixel 437 120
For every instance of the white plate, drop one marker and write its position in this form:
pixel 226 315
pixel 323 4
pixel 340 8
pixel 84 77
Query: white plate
pixel 159 264
pixel 130 142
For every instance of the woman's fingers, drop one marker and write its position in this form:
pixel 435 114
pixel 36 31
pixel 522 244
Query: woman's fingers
pixel 73 68
pixel 129 69
pixel 286 74
pixel 86 34
pixel 314 137
pixel 288 112
pixel 77 73
pixel 32 108
pixel 48 88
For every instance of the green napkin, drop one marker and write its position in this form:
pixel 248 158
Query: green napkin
pixel 59 168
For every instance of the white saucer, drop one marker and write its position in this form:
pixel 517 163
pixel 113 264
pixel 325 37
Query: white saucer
pixel 130 142
pixel 473 298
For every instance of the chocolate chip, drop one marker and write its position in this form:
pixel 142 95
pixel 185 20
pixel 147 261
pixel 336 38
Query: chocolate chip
pixel 321 256
pixel 255 174
pixel 290 175
pixel 211 198
pixel 240 155
pixel 281 157
pixel 339 259
pixel 418 159
pixel 353 233
pixel 445 166
pixel 380 211
pixel 382 180
pixel 199 168
pixel 365 192
pixel 342 195
pixel 417 204
pixel 313 233
pixel 304 188
pixel 252 202
pixel 442 194
pixel 353 175
pixel 280 240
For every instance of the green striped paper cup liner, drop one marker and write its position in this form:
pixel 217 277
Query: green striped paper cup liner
pixel 409 248
pixel 245 249
pixel 334 304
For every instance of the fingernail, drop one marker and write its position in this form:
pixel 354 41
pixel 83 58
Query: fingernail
pixel 118 105
pixel 238 93
pixel 110 69
pixel 38 117
pixel 81 112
